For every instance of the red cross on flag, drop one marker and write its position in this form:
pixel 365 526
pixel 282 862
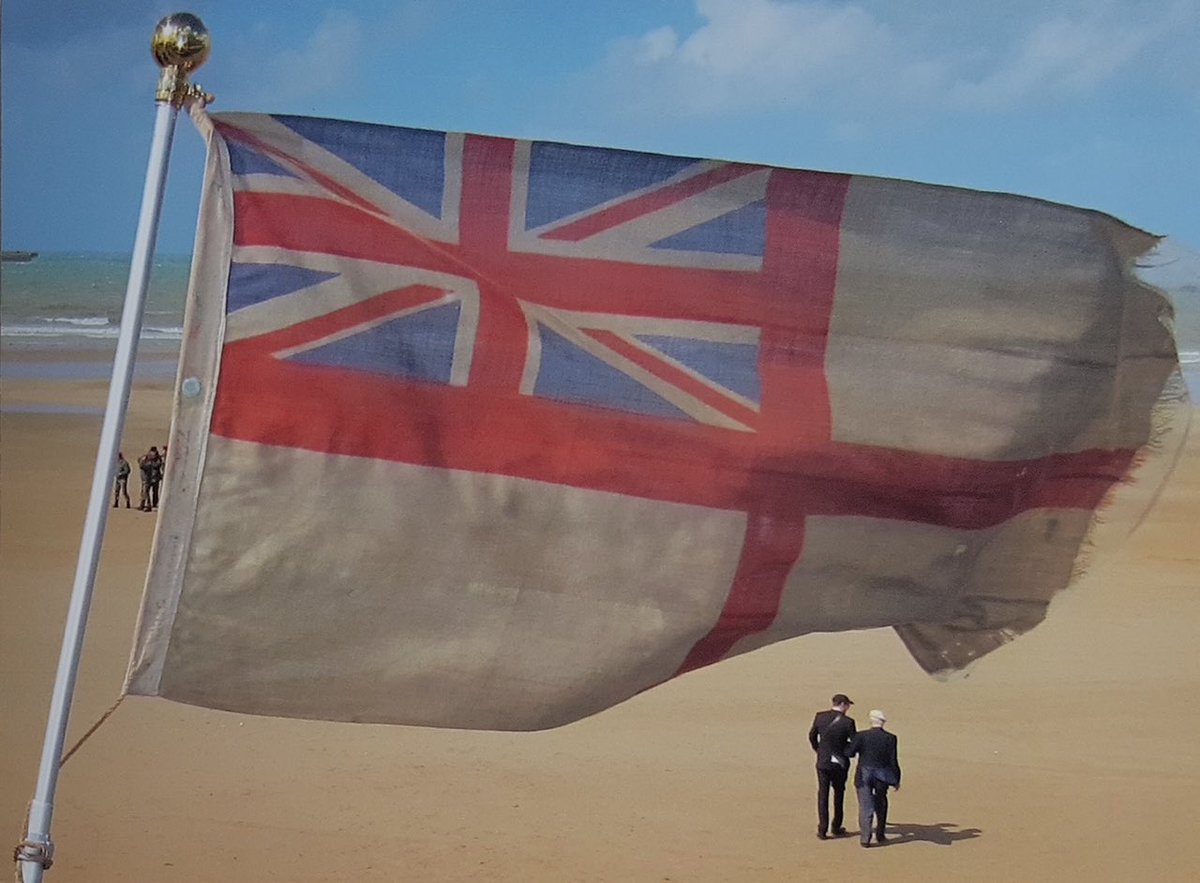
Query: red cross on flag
pixel 486 433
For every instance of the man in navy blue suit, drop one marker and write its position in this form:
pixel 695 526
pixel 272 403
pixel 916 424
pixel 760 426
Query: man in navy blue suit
pixel 830 737
pixel 878 769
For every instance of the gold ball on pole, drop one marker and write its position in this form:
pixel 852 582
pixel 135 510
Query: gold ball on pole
pixel 180 45
pixel 182 41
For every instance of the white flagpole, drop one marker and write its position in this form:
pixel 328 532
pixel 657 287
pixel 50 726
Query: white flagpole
pixel 180 44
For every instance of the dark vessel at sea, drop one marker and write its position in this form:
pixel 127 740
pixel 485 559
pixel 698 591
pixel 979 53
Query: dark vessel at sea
pixel 21 257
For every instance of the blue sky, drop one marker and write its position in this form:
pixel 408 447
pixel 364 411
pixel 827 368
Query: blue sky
pixel 1089 102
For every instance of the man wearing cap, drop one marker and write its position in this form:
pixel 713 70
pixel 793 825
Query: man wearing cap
pixel 830 737
pixel 878 769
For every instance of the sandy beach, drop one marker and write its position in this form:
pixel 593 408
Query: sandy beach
pixel 1067 754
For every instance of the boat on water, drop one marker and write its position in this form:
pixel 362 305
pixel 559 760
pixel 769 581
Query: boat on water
pixel 20 257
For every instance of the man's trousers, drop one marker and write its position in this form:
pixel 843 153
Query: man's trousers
pixel 872 801
pixel 833 778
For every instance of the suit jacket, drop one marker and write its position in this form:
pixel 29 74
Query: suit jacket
pixel 876 750
pixel 830 737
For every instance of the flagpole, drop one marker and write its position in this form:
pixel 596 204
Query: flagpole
pixel 180 44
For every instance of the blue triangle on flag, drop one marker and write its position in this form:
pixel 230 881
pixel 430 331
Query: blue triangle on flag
pixel 251 284
pixel 409 162
pixel 570 374
pixel 418 346
pixel 731 365
pixel 245 160
pixel 567 178
pixel 742 231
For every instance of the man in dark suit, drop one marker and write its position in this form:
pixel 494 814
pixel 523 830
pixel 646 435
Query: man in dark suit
pixel 830 737
pixel 878 769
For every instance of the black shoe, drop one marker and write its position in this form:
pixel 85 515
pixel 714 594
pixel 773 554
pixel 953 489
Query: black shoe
pixel 864 844
pixel 881 838
pixel 821 835
pixel 839 832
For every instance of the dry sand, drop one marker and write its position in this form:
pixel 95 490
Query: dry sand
pixel 1071 753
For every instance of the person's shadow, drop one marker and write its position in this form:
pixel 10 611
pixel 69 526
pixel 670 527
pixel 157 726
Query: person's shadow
pixel 942 834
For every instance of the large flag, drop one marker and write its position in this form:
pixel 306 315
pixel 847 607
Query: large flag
pixel 485 433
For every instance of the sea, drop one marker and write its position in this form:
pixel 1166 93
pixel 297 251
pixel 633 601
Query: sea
pixel 63 301
pixel 66 300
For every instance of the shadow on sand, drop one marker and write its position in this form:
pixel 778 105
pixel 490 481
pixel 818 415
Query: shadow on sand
pixel 942 834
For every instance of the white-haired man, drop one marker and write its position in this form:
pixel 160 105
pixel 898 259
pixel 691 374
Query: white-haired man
pixel 878 769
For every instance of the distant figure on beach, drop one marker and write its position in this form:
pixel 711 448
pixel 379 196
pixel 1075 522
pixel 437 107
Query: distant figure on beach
pixel 121 488
pixel 150 464
pixel 830 737
pixel 878 769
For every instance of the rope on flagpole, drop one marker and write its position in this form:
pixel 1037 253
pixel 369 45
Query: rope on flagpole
pixel 180 44
pixel 28 846
pixel 97 725
pixel 18 876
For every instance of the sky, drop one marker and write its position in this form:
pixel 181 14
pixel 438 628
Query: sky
pixel 1089 102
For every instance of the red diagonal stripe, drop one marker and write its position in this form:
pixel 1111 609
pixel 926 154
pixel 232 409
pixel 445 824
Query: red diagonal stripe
pixel 322 226
pixel 606 219
pixel 665 371
pixel 235 134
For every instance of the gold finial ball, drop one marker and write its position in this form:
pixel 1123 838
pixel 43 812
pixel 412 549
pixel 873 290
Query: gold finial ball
pixel 181 40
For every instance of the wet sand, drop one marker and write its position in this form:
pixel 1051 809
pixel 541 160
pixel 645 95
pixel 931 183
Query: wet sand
pixel 1067 754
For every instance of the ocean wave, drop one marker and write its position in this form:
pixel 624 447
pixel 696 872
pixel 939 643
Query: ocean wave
pixel 75 320
pixel 99 329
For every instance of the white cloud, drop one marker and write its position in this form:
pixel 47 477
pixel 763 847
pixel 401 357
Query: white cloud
pixel 759 52
pixel 754 55
pixel 656 46
pixel 1057 58
pixel 290 80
